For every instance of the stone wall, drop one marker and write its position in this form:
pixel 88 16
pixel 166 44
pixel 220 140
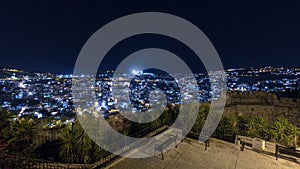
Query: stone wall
pixel 250 104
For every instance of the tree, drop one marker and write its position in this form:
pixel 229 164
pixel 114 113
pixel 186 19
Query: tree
pixel 5 122
pixel 202 114
pixel 67 149
pixel 166 118
pixel 228 128
pixel 257 127
pixel 156 123
pixel 23 131
pixel 233 122
pixel 283 132
pixel 5 119
pixel 77 147
pixel 82 142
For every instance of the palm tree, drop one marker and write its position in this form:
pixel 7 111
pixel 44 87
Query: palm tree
pixel 82 142
pixel 97 153
pixel 294 132
pixel 24 130
pixel 228 128
pixel 283 132
pixel 77 147
pixel 233 122
pixel 5 121
pixel 5 118
pixel 67 149
pixel 257 127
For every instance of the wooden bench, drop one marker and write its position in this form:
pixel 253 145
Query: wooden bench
pixel 198 137
pixel 244 141
pixel 287 151
pixel 161 147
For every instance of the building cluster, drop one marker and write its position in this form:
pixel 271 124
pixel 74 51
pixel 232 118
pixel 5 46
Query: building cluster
pixel 37 95
pixel 268 79
pixel 43 95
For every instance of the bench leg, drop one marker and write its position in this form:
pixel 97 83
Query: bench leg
pixel 206 144
pixel 243 147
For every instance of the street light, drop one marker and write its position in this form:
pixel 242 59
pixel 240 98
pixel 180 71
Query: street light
pixel 135 72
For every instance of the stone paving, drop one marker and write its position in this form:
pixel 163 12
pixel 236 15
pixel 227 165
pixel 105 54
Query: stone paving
pixel 191 154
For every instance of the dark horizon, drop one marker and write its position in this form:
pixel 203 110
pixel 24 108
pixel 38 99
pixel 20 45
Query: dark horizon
pixel 48 36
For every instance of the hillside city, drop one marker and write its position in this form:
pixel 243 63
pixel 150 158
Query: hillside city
pixel 42 95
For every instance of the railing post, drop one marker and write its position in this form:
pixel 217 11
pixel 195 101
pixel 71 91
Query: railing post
pixel 276 151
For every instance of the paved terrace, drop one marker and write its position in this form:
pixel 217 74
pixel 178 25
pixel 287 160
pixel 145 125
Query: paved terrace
pixel 190 154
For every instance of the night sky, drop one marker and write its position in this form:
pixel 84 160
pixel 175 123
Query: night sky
pixel 47 36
